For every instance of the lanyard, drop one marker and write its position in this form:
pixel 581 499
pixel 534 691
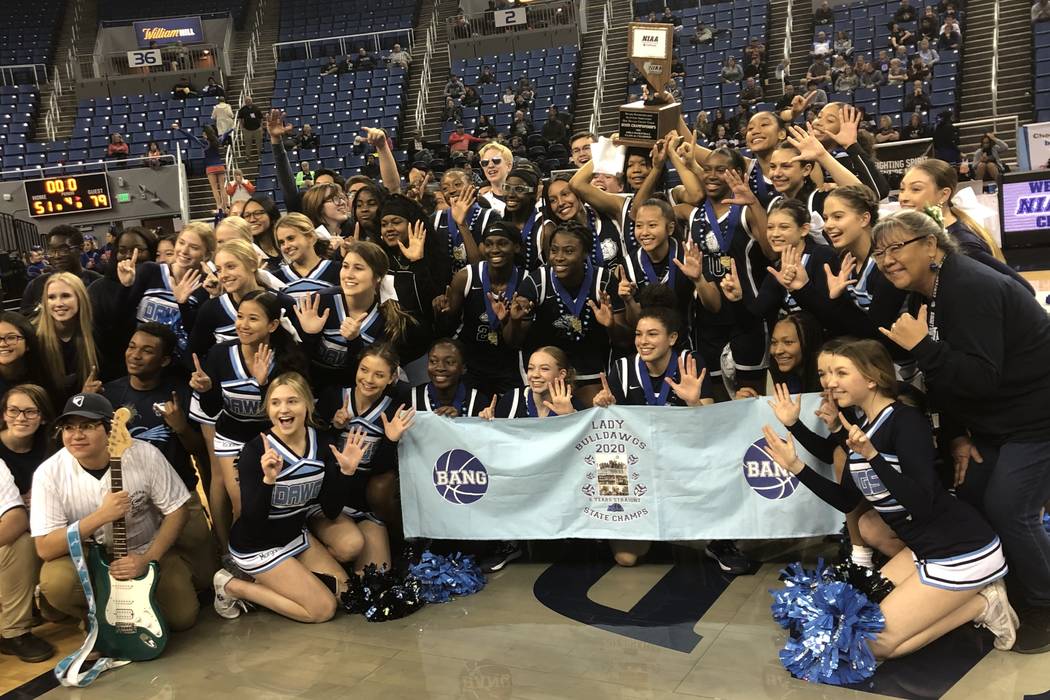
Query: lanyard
pixel 651 397
pixel 668 277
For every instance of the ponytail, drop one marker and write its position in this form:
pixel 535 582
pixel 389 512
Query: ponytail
pixel 970 223
pixel 396 321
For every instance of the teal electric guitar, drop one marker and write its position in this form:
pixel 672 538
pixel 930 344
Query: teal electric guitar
pixel 130 625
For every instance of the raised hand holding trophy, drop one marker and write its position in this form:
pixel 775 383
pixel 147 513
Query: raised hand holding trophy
pixel 650 48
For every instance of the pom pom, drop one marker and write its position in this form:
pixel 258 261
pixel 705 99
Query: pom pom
pixel 442 578
pixel 835 622
pixel 380 595
pixel 798 581
pixel 870 582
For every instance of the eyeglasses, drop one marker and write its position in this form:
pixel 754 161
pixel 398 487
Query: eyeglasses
pixel 11 339
pixel 494 160
pixel 253 214
pixel 893 249
pixel 85 427
pixel 338 201
pixel 518 189
pixel 13 412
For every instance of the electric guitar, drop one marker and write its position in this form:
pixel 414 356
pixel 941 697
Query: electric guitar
pixel 130 625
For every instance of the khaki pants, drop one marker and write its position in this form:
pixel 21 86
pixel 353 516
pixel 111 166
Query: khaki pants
pixel 19 571
pixel 197 546
pixel 175 593
pixel 252 139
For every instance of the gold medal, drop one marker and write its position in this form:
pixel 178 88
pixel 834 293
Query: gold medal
pixel 726 261
pixel 459 254
pixel 493 337
pixel 577 324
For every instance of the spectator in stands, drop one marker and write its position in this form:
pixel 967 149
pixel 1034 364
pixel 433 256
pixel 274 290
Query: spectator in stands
pixel 754 68
pixel 471 98
pixel 117 148
pixel 887 132
pixel 819 71
pixel 222 116
pixel 755 49
pixel 723 139
pixel 816 97
pixel 917 100
pixel 488 76
pixel 717 119
pixel 90 256
pixel 509 96
pixel 843 44
pixel 871 77
pixel 461 28
pixel 460 142
pixel 1041 11
pixel 364 61
pixel 308 138
pixel 751 94
pixel 239 189
pixel 182 57
pixel 343 66
pixel 517 146
pixel 36 265
pixel 454 88
pixel 899 36
pixel 678 68
pixel 916 128
pixel 524 83
pixel 883 62
pixel 950 36
pixel 901 54
pixel 928 23
pixel 214 162
pixel 847 81
pixel 213 89
pixel 485 128
pixel 580 148
pixel 928 54
pixel 183 89
pixel 249 119
pixel 521 126
pixel 782 73
pixel 866 122
pixel 453 111
pixel 838 65
pixel 153 154
pixel 554 130
pixel 330 67
pixel 731 71
pixel 703 34
pixel 987 162
pixel 821 45
pixel 904 13
pixel 898 74
pixel 918 70
pixel 399 57
pixel 823 14
pixel 673 90
pixel 946 139
pixel 668 17
pixel 304 177
pixel 784 101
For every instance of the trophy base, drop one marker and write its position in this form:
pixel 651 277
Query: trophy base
pixel 644 124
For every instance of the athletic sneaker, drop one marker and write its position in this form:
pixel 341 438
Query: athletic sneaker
pixel 998 616
pixel 1033 635
pixel 729 558
pixel 505 553
pixel 226 605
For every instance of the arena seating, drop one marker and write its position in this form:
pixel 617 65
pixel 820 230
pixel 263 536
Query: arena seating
pixel 337 106
pixel 1041 70
pixel 311 19
pixel 18 106
pixel 28 31
pixel 142 9
pixel 553 75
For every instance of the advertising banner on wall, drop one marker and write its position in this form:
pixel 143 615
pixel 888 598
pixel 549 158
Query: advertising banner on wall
pixel 158 32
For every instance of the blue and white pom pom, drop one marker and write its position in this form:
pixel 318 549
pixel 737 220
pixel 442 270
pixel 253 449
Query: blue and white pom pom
pixel 442 578
pixel 798 581
pixel 833 623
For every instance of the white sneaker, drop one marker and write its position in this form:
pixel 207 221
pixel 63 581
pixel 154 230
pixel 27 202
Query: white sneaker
pixel 226 605
pixel 998 616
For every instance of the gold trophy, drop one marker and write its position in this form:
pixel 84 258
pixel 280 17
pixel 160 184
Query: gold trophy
pixel 650 48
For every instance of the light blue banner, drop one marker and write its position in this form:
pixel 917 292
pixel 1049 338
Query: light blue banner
pixel 625 472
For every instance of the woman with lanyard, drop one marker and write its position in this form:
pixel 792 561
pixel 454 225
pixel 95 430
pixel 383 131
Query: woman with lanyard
pixel 476 306
pixel 304 270
pixel 496 161
pixel 657 375
pixel 285 473
pixel 981 341
pixel 171 294
pixel 232 382
pixel 521 193
pixel 567 304
pixel 328 209
pixel 450 391
pixel 261 213
pixel 464 220
pixel 837 129
pixel 561 205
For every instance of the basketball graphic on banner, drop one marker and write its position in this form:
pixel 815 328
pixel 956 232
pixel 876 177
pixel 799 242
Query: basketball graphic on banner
pixel 764 476
pixel 460 477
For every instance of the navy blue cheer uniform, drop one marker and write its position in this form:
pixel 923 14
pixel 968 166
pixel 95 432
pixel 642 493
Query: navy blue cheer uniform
pixel 153 300
pixel 217 321
pixel 953 546
pixel 813 199
pixel 324 275
pixel 272 524
pixel 235 398
pixel 520 403
pixel 467 400
pixel 380 454
pixel 446 227
pixel 334 357
pixel 493 365
pixel 773 299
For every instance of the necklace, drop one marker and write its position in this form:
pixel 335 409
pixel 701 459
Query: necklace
pixel 931 317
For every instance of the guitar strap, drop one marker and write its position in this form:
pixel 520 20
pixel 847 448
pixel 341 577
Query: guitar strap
pixel 68 669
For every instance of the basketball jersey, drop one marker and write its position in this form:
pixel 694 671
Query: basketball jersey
pixel 467 401
pixel 490 360
pixel 520 403
pixel 445 226
pixel 607 250
pixel 644 271
pixel 732 239
pixel 760 184
pixel 632 385
pixel 627 237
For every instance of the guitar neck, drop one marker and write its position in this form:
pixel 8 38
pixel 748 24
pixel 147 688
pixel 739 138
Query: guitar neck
pixel 120 530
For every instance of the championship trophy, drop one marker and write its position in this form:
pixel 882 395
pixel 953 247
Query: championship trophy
pixel 650 48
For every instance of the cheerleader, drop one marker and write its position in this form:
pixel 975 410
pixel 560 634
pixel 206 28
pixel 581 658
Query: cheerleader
pixel 656 375
pixel 261 213
pixel 476 305
pixel 837 129
pixel 284 473
pixel 303 270
pixel 171 295
pixel 449 392
pixel 231 384
pixel 951 571
pixel 65 333
pixel 567 304
pixel 561 205
pixel 463 221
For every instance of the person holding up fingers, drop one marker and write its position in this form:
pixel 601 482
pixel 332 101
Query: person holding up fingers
pixel 562 205
pixel 951 570
pixel 450 391
pixel 981 341
pixel 286 473
pixel 464 222
pixel 837 129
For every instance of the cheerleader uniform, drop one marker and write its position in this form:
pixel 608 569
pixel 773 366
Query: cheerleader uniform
pixel 153 299
pixel 467 400
pixel 235 398
pixel 563 318
pixel 492 363
pixel 722 239
pixel 953 546
pixel 446 227
pixel 272 524
pixel 520 403
pixel 632 385
pixel 773 300
pixel 324 275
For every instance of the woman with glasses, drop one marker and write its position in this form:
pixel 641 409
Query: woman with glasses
pixel 463 222
pixel 328 208
pixel 303 271
pixel 496 161
pixel 21 359
pixel 981 342
pixel 520 192
pixel 261 213
pixel 66 333
pixel 25 413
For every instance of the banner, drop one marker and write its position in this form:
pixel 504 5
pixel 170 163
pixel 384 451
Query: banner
pixel 188 30
pixel 1033 142
pixel 895 157
pixel 624 472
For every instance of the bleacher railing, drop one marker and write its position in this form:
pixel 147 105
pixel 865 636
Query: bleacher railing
pixel 54 112
pixel 424 82
pixel 252 55
pixel 788 22
pixel 315 47
pixel 39 71
pixel 184 189
pixel 115 63
pixel 16 234
pixel 94 166
pixel 538 15
pixel 995 60
pixel 599 88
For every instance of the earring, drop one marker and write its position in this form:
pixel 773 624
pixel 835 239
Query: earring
pixel 934 265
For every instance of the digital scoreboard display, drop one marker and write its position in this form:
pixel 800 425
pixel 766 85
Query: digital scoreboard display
pixel 72 194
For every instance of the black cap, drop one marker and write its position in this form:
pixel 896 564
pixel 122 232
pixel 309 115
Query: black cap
pixel 88 405
pixel 502 228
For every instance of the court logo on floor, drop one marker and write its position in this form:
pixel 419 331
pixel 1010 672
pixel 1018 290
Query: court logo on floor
pixel 460 477
pixel 764 476
pixel 614 482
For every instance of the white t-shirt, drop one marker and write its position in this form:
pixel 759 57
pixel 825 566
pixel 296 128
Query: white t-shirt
pixel 9 496
pixel 64 492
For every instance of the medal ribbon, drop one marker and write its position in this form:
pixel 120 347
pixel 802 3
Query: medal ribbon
pixel 486 287
pixel 574 306
pixel 652 398
pixel 526 240
pixel 650 272
pixel 455 238
pixel 723 239
pixel 597 257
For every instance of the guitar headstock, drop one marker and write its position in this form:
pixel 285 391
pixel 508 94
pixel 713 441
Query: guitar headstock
pixel 119 438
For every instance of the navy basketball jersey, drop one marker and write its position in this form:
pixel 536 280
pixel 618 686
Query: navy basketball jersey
pixel 489 359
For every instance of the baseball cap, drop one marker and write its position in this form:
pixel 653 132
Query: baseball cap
pixel 88 405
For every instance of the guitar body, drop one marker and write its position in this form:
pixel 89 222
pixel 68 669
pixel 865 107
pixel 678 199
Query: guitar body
pixel 130 625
